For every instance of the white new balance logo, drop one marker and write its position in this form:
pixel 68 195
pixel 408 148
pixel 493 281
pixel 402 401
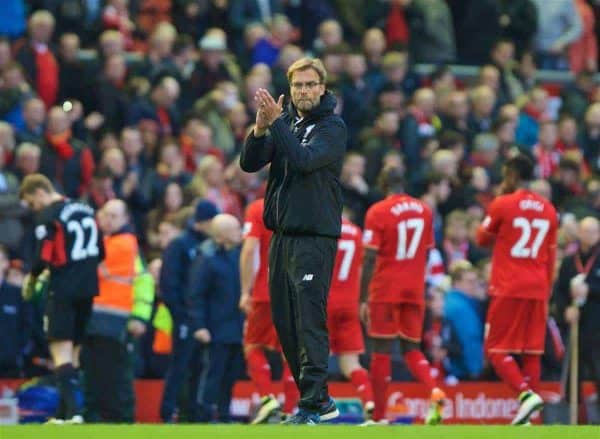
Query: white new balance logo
pixel 308 277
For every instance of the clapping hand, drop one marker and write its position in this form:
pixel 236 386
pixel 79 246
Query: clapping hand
pixel 268 110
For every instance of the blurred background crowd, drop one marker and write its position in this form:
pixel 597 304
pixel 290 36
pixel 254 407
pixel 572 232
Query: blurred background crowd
pixel 149 101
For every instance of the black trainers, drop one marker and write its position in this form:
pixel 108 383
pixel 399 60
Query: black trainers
pixel 328 410
pixel 303 417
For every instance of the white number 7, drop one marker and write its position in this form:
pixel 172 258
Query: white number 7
pixel 520 249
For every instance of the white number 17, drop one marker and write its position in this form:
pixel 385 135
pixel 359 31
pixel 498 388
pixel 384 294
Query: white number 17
pixel 406 251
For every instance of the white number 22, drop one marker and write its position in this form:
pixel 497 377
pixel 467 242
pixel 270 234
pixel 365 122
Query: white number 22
pixel 521 249
pixel 80 249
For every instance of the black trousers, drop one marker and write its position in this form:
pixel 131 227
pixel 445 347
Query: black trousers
pixel 108 367
pixel 300 270
pixel 224 363
pixel 184 368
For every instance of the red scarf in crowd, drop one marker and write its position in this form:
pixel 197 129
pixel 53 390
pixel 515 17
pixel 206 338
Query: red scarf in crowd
pixel 61 144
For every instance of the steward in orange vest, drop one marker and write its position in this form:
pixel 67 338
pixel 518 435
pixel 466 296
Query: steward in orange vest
pixel 120 314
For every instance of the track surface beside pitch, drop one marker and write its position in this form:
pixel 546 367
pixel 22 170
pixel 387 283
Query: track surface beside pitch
pixel 282 432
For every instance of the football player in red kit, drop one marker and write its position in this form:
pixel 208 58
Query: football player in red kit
pixel 345 334
pixel 522 226
pixel 398 235
pixel 259 332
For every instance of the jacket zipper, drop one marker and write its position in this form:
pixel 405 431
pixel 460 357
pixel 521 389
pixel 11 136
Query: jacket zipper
pixel 279 192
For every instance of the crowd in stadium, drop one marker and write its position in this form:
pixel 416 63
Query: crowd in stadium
pixel 150 102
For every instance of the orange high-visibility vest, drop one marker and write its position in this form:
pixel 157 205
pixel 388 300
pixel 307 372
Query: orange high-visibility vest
pixel 117 273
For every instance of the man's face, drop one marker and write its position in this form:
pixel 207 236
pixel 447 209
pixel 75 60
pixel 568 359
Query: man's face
pixel 37 200
pixel 469 283
pixel 113 219
pixel 589 232
pixel 34 112
pixel 306 89
pixel 443 190
pixel 58 121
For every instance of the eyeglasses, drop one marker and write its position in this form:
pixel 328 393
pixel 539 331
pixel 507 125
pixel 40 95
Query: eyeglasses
pixel 300 85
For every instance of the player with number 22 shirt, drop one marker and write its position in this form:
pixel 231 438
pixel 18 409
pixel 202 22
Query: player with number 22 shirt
pixel 69 245
pixel 522 226
pixel 397 238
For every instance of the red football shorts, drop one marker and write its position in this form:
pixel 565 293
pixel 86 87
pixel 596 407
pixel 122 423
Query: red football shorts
pixel 259 329
pixel 345 333
pixel 391 320
pixel 515 325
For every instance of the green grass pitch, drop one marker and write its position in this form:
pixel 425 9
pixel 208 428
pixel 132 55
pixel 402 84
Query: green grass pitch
pixel 284 432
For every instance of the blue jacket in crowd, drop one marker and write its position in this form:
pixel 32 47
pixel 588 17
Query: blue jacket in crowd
pixel 215 294
pixel 465 316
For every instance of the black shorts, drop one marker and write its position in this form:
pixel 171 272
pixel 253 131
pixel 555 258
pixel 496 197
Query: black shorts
pixel 67 318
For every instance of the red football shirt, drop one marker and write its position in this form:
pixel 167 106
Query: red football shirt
pixel 255 227
pixel 400 228
pixel 345 282
pixel 524 225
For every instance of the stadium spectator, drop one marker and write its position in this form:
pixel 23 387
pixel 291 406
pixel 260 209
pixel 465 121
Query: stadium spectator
pixel 583 52
pixel 433 20
pixel 358 196
pixel 463 311
pixel 518 22
pixel 39 59
pixel 34 116
pixel 559 25
pixel 576 294
pixel 158 107
pixel 65 159
pixel 475 17
pixel 11 210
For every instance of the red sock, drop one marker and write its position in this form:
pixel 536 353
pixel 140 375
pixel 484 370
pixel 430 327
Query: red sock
pixel 508 370
pixel 290 390
pixel 381 370
pixel 419 368
pixel 532 369
pixel 360 380
pixel 259 371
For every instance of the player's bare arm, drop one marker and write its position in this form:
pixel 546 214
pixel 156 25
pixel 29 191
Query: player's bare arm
pixel 247 273
pixel 367 274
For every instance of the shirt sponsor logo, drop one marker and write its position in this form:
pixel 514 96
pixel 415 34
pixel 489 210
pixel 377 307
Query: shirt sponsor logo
pixel 308 277
pixel 41 232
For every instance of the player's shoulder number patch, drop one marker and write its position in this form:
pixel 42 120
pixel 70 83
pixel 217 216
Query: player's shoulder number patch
pixel 41 232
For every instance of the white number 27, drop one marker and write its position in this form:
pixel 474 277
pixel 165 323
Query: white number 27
pixel 522 249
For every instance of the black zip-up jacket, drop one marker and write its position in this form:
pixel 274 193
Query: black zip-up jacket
pixel 304 195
